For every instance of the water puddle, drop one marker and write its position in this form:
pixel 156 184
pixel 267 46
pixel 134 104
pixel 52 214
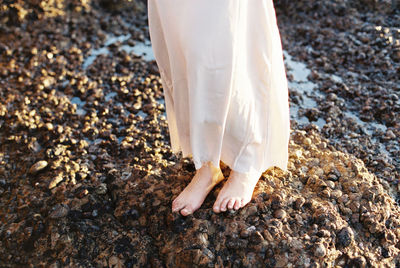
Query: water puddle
pixel 120 139
pixel 141 114
pixel 79 105
pixel 93 55
pixel 368 128
pixel 143 49
pixel 110 96
pixel 306 88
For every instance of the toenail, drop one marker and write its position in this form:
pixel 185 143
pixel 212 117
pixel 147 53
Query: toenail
pixel 185 211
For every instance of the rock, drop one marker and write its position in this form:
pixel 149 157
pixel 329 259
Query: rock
pixel 256 237
pixel 307 141
pixel 101 189
pixel 115 262
pixel 38 166
pixel 59 211
pixel 299 202
pixel 53 183
pixel 319 250
pixel 359 261
pixel 344 237
pixel 280 214
pixel 101 120
pixel 251 260
pixel 249 211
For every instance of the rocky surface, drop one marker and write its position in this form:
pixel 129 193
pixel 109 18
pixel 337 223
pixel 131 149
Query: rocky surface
pixel 87 176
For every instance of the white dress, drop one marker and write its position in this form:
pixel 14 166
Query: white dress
pixel 224 81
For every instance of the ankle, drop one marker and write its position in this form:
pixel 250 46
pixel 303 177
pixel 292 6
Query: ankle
pixel 248 176
pixel 210 167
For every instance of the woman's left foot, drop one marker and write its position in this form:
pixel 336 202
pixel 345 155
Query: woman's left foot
pixel 237 191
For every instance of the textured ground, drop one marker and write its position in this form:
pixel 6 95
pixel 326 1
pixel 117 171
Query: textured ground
pixel 87 176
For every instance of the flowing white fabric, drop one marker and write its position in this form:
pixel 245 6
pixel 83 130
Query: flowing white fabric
pixel 224 81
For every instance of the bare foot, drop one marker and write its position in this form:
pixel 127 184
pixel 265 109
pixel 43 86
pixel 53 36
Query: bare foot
pixel 237 191
pixel 191 198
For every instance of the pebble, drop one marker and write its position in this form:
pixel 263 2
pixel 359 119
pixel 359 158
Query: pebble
pixel 320 250
pixel 299 202
pixel 280 214
pixel 307 141
pixel 345 237
pixel 59 211
pixel 53 183
pixel 38 166
pixel 101 189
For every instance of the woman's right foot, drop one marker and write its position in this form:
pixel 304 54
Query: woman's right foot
pixel 193 196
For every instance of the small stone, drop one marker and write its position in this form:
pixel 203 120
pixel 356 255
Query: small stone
pixel 336 194
pixel 206 257
pixel 38 166
pixel 114 261
pixel 344 237
pixel 49 126
pixel 320 250
pixel 299 202
pixel 307 141
pixel 326 193
pixel 280 214
pixel 298 154
pixel 55 181
pixel 390 134
pixel 330 184
pixel 250 260
pixel 244 233
pixel 249 211
pixel 256 237
pixel 59 211
pixel 359 261
pixel 101 189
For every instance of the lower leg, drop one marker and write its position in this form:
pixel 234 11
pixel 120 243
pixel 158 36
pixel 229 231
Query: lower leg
pixel 193 196
pixel 237 191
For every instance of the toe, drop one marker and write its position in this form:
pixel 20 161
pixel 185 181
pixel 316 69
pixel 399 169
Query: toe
pixel 243 202
pixel 224 203
pixel 186 211
pixel 216 209
pixel 216 206
pixel 231 202
pixel 177 205
pixel 238 203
